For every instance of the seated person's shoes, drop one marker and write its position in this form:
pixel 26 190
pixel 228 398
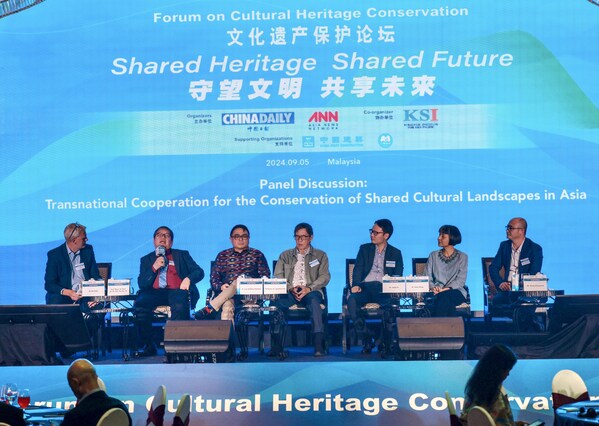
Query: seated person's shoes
pixel 319 345
pixel 368 345
pixel 278 352
pixel 275 351
pixel 148 350
pixel 205 313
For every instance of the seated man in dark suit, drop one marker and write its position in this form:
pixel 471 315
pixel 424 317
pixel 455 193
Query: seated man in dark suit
pixel 92 402
pixel 374 260
pixel 167 276
pixel 517 255
pixel 68 265
pixel 11 415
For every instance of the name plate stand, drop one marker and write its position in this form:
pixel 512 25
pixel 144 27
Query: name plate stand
pixel 92 288
pixel 108 297
pixel 406 290
pixel 257 291
pixel 417 284
pixel 410 286
pixel 118 287
pixel 251 289
pixel 536 282
pixel 99 288
pixel 261 288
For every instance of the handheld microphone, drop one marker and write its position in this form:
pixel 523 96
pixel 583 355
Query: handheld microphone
pixel 161 251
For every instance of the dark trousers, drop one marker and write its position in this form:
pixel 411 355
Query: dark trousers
pixel 524 309
pixel 445 302
pixel 93 322
pixel 148 300
pixel 310 301
pixel 371 293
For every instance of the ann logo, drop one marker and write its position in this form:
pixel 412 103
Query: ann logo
pixel 324 117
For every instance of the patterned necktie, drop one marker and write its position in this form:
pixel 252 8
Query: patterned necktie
pixel 162 277
pixel 76 274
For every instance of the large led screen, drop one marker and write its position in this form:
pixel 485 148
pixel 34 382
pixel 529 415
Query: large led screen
pixel 126 115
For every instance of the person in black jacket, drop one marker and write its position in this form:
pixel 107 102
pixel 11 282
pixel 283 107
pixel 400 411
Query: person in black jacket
pixel 374 260
pixel 516 256
pixel 167 276
pixel 68 265
pixel 11 415
pixel 92 402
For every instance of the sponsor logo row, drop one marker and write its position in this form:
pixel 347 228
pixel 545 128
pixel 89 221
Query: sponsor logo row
pixel 411 117
pixel 327 122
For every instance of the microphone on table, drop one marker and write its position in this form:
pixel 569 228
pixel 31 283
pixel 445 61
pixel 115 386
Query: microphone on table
pixel 161 251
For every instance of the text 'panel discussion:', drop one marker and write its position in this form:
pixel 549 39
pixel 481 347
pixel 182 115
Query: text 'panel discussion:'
pixel 299 211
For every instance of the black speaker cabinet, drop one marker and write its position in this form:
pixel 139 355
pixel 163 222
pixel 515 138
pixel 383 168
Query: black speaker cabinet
pixel 430 334
pixel 199 341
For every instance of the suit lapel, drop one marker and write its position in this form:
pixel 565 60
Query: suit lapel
pixel 370 258
pixel 177 259
pixel 525 249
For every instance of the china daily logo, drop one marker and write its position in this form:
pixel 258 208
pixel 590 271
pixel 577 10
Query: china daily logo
pixel 423 118
pixel 245 118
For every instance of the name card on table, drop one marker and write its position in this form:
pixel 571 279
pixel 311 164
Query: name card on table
pixel 417 284
pixel 275 286
pixel 394 284
pixel 119 287
pixel 536 282
pixel 92 288
pixel 249 286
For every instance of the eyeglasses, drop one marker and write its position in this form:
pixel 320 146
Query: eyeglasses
pixel 511 228
pixel 77 226
pixel 165 235
pixel 301 237
pixel 240 237
pixel 375 233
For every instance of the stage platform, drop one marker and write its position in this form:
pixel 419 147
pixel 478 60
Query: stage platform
pixel 407 388
pixel 363 389
pixel 478 335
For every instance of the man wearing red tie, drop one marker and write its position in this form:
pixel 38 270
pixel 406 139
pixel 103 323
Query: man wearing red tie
pixel 167 276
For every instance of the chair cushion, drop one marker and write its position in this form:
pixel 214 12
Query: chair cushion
pixel 297 307
pixel 371 306
pixel 164 310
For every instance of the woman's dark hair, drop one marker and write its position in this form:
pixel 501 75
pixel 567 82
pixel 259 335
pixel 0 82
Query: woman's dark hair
pixel 484 384
pixel 455 236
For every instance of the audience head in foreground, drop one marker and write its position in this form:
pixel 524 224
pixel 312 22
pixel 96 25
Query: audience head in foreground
pixel 484 387
pixel 92 402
